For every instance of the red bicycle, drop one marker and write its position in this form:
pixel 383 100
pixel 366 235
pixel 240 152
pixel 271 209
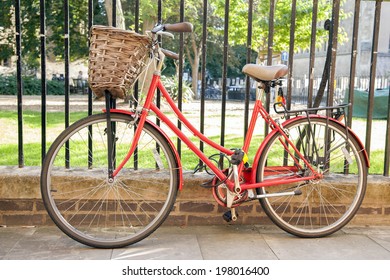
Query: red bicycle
pixel 111 179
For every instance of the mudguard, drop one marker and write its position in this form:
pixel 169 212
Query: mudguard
pixel 266 139
pixel 173 148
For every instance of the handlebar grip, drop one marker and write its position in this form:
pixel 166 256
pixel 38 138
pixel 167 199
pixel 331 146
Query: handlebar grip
pixel 170 54
pixel 179 27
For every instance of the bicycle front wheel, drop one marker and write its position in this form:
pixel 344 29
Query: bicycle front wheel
pixel 99 212
pixel 327 204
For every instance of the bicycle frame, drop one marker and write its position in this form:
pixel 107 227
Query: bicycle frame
pixel 258 109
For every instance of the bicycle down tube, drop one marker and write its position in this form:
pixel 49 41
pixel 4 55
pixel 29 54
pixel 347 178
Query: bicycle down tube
pixel 258 109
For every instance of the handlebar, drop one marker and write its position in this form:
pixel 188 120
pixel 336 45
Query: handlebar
pixel 180 27
pixel 170 54
pixel 173 27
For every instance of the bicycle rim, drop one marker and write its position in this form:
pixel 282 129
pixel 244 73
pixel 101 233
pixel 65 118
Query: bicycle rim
pixel 90 209
pixel 325 205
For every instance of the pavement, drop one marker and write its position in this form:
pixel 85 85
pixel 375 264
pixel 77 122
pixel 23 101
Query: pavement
pixel 224 242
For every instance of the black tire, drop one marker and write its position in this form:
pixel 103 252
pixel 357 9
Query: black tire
pixel 86 206
pixel 325 205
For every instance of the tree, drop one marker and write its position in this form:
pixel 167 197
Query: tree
pixel 78 28
pixel 120 20
pixel 7 34
pixel 238 26
pixel 54 20
pixel 282 24
pixel 170 13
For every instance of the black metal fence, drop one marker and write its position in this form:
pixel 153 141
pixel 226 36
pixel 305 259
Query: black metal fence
pixel 329 79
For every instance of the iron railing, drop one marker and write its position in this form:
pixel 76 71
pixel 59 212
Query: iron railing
pixel 328 79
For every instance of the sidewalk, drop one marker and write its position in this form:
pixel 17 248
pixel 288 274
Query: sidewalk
pixel 225 242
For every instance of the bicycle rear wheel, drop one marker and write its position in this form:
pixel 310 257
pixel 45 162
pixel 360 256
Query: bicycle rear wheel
pixel 325 205
pixel 90 208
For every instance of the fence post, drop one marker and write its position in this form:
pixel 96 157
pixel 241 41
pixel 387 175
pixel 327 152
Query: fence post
pixel 332 70
pixel 355 34
pixel 248 60
pixel 181 57
pixel 42 15
pixel 224 71
pixel 66 84
pixel 312 53
pixel 19 81
pixel 90 106
pixel 371 92
pixel 387 146
pixel 291 53
pixel 203 87
pixel 269 55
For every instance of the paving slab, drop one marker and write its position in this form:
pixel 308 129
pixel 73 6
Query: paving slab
pixel 228 242
pixel 49 243
pixel 339 246
pixel 240 243
pixel 171 246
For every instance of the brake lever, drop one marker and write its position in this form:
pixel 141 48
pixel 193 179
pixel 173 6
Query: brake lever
pixel 164 33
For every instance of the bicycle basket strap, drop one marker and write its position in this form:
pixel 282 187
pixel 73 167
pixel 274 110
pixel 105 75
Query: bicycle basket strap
pixel 116 59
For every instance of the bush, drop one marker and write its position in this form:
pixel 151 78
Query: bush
pixel 172 86
pixel 31 86
pixel 8 85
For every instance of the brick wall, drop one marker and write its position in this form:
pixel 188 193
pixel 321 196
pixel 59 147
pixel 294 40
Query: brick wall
pixel 20 203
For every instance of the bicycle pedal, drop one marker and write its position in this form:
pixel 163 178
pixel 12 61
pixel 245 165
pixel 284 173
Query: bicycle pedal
pixel 228 217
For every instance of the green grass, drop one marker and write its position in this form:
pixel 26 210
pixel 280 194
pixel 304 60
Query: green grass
pixel 190 160
pixel 55 121
pixel 33 118
pixel 31 121
pixel 32 154
pixel 32 151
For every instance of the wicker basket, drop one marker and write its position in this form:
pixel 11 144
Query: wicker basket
pixel 116 59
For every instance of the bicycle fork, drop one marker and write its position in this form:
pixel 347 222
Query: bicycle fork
pixel 110 140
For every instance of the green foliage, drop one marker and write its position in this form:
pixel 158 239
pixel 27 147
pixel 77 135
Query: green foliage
pixel 78 28
pixel 282 23
pixel 172 86
pixel 6 32
pixel 31 86
pixel 54 29
pixel 99 14
pixel 8 85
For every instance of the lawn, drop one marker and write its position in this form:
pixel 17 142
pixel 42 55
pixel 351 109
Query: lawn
pixel 55 124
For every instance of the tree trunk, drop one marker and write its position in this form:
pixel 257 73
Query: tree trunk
pixel 120 19
pixel 195 75
pixel 194 62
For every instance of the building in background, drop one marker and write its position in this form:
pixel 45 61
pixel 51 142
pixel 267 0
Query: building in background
pixel 343 59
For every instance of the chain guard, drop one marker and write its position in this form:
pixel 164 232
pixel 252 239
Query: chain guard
pixel 220 190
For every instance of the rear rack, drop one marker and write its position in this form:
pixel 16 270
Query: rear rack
pixel 337 111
